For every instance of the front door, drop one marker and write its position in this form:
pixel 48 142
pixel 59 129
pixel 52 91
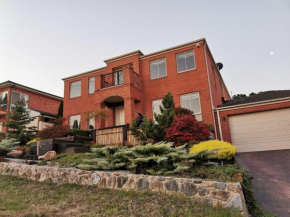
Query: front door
pixel 119 116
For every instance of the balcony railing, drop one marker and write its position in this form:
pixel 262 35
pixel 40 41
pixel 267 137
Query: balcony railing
pixel 117 79
pixel 136 79
pixel 112 79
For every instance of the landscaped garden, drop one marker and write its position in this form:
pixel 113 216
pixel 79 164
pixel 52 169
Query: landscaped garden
pixel 175 145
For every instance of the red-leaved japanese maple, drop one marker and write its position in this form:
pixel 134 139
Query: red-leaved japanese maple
pixel 186 128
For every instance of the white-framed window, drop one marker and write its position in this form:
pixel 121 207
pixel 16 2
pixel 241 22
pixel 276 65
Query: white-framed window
pixel 3 100
pixel 156 107
pixel 118 78
pixel 158 68
pixel 91 85
pixel 16 96
pixel 91 124
pixel 191 101
pixel 75 122
pixel 185 61
pixel 75 89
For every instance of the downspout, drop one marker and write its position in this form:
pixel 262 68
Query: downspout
pixel 9 106
pixel 208 79
pixel 220 127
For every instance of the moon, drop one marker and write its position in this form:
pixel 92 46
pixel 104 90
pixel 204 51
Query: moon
pixel 272 53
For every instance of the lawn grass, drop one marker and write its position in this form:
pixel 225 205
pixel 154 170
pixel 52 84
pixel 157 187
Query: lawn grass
pixel 27 198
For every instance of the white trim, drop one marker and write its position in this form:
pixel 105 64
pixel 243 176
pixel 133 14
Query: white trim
pixel 220 126
pixel 210 93
pixel 70 86
pixel 158 67
pixel 84 73
pixel 190 103
pixel 176 58
pixel 254 104
pixel 173 48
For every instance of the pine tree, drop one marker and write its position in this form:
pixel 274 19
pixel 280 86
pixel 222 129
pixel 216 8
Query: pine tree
pixel 167 113
pixel 155 132
pixel 60 110
pixel 18 121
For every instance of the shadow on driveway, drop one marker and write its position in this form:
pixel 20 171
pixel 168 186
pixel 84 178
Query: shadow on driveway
pixel 271 183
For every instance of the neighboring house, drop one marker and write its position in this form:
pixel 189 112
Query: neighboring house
pixel 43 106
pixel 135 82
pixel 256 123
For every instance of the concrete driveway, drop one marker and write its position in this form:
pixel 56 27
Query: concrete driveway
pixel 271 183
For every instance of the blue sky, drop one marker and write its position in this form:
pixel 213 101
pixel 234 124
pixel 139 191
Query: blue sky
pixel 42 42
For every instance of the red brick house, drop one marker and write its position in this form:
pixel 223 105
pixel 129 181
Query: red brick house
pixel 135 82
pixel 43 106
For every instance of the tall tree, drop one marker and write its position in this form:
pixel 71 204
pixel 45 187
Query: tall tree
pixel 60 110
pixel 18 121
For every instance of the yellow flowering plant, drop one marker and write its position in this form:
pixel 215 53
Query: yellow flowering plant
pixel 33 140
pixel 224 150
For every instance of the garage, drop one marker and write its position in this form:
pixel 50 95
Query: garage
pixel 256 123
pixel 261 131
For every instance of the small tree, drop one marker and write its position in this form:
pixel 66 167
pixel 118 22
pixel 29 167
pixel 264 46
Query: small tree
pixel 18 121
pixel 98 115
pixel 186 128
pixel 147 132
pixel 57 130
pixel 155 132
pixel 60 110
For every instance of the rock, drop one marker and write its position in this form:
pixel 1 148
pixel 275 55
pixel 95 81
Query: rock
pixel 121 180
pixel 48 155
pixel 142 184
pixel 220 185
pixel 236 203
pixel 197 181
pixel 94 180
pixel 203 191
pixel 15 153
pixel 188 188
pixel 220 195
pixel 112 182
pixel 207 200
pixel 157 185
pixel 171 185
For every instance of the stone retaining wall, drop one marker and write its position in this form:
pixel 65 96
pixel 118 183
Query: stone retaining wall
pixel 228 194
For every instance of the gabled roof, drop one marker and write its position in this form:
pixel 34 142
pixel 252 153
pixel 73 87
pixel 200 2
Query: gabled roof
pixel 13 84
pixel 260 97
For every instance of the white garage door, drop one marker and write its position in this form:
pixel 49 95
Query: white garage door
pixel 261 131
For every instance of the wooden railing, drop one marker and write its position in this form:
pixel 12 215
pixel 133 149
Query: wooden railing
pixel 114 135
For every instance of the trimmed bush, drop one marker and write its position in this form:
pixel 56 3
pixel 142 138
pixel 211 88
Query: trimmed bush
pixel 7 145
pixel 57 130
pixel 224 150
pixel 186 128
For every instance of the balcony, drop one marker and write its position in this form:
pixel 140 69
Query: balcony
pixel 117 78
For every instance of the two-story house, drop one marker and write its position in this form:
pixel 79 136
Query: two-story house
pixel 135 82
pixel 43 106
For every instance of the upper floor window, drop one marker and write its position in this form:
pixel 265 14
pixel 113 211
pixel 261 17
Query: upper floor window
pixel 16 96
pixel 75 122
pixel 118 78
pixel 75 89
pixel 191 101
pixel 185 61
pixel 158 68
pixel 91 85
pixel 3 100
